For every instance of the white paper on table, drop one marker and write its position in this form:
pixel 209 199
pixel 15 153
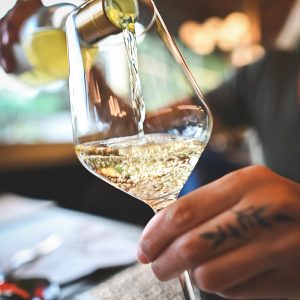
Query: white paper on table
pixel 89 243
pixel 13 206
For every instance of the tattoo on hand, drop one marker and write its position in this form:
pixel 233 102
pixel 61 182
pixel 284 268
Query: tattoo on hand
pixel 246 220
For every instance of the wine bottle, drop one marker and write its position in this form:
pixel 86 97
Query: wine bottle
pixel 40 53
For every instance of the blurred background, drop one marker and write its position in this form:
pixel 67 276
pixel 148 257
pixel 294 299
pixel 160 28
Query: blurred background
pixel 216 37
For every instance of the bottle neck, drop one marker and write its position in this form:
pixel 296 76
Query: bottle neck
pixel 92 22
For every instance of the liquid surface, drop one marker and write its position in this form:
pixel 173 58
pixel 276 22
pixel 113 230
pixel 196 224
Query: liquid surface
pixel 153 168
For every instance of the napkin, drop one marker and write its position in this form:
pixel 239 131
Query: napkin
pixel 88 242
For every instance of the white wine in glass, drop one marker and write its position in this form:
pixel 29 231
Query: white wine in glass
pixel 139 119
pixel 152 168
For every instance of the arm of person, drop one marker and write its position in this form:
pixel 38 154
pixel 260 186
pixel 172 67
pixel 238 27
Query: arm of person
pixel 227 102
pixel 238 235
pixel 233 103
pixel 10 26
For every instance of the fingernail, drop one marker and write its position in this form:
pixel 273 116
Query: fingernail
pixel 142 257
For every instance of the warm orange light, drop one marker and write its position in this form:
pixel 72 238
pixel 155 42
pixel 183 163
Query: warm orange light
pixel 186 30
pixel 234 31
pixel 212 26
pixel 202 42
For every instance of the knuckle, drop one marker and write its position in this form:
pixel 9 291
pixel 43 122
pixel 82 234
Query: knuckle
pixel 237 176
pixel 188 252
pixel 204 278
pixel 257 169
pixel 157 272
pixel 251 172
pixel 250 176
pixel 180 215
pixel 288 198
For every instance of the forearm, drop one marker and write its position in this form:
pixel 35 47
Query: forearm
pixel 10 27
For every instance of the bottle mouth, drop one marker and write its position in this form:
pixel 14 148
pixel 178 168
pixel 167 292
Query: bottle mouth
pixel 123 14
pixel 116 40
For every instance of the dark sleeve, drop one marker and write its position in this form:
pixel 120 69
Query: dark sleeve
pixel 232 101
pixel 226 102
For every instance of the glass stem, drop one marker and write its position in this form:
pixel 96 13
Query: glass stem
pixel 189 292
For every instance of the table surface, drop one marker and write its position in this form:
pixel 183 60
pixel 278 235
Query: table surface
pixel 30 221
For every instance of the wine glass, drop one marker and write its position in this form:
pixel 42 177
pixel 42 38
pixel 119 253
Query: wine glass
pixel 139 119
